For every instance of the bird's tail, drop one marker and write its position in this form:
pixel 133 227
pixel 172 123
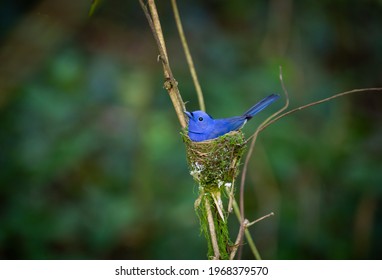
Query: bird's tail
pixel 261 105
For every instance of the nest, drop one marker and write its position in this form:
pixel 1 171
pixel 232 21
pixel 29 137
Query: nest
pixel 215 163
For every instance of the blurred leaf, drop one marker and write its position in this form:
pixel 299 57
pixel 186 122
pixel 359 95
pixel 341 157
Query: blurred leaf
pixel 94 5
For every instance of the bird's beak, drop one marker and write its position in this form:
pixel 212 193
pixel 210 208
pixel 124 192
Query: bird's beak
pixel 188 114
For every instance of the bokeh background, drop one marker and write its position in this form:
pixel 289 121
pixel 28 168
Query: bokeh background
pixel 92 165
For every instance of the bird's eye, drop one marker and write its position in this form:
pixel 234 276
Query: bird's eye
pixel 200 119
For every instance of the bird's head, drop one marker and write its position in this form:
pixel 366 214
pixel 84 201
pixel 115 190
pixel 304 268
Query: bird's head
pixel 198 121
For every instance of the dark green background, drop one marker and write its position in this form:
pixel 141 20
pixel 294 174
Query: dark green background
pixel 92 165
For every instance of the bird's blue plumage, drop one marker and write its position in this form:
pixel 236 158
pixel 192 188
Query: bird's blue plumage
pixel 202 126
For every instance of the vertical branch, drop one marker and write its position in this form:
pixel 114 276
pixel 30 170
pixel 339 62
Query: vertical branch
pixel 158 31
pixel 239 237
pixel 211 225
pixel 188 56
pixel 170 84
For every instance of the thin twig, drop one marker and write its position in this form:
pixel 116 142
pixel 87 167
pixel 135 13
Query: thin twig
pixel 286 105
pixel 248 236
pixel 276 116
pixel 188 56
pixel 252 145
pixel 254 136
pixel 260 219
pixel 319 102
pixel 211 225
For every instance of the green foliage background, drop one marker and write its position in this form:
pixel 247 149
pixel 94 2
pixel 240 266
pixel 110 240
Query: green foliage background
pixel 92 165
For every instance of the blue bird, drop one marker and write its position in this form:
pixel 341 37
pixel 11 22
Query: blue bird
pixel 202 126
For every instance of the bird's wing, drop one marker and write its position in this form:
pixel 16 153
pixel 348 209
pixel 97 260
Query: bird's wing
pixel 223 126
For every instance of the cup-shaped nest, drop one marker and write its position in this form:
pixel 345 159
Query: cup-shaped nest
pixel 215 163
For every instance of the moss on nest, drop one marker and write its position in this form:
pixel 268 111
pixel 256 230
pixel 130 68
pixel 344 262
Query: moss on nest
pixel 214 163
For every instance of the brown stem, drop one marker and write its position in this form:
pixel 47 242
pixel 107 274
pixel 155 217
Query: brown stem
pixel 239 239
pixel 318 102
pixel 211 225
pixel 170 84
pixel 188 56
